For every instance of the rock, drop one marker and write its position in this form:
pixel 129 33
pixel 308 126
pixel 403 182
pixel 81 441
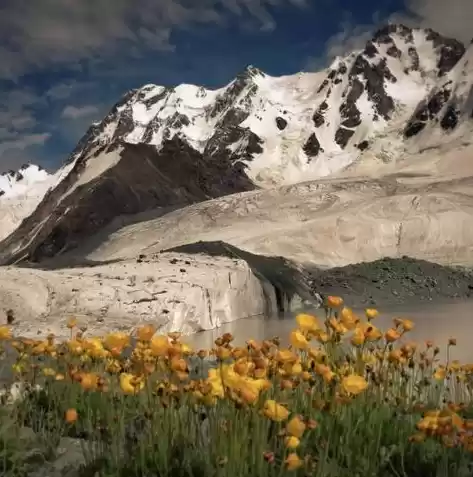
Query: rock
pixel 281 123
pixel 69 459
pixel 342 136
pixel 312 146
pixel 213 291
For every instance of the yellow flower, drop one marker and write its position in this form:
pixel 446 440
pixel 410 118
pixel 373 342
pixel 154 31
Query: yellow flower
pixel 275 411
pixel 95 348
pixel 117 340
pixel 348 318
pixel 337 326
pixel 286 356
pixel 370 331
pixel 307 322
pixel 358 337
pixel 406 325
pixel 146 332
pixel 71 323
pixel 354 384
pixel 296 427
pixel 214 379
pixel 131 384
pixel 296 369
pixel 293 462
pixel 5 333
pixel 75 347
pixel 440 373
pixel 334 301
pixel 371 313
pixel 298 340
pixel 49 372
pixel 429 423
pixel 322 336
pixel 159 345
pixel 291 442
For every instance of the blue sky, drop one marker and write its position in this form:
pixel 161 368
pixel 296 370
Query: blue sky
pixel 64 63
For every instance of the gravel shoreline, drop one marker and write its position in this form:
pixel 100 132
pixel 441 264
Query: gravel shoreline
pixel 390 281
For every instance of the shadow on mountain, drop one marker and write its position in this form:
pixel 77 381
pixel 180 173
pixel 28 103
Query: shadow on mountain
pixel 142 178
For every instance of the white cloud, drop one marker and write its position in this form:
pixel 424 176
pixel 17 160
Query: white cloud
pixel 350 38
pixel 47 32
pixel 78 112
pixel 452 18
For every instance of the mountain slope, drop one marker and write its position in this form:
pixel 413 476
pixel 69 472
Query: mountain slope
pixel 331 222
pixel 448 106
pixel 117 179
pixel 20 193
pixel 170 147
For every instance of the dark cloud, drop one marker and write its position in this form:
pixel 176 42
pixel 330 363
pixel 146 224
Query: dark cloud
pixel 35 34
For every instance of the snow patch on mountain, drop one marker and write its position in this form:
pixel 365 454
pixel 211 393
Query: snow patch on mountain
pixel 15 183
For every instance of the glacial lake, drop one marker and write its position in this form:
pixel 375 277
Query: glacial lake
pixel 437 322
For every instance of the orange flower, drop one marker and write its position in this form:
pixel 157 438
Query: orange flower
pixel 334 301
pixel 159 345
pixel 88 381
pixel 146 332
pixel 406 325
pixel 392 335
pixel 71 416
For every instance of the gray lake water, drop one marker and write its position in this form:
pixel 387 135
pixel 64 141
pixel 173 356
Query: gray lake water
pixel 436 322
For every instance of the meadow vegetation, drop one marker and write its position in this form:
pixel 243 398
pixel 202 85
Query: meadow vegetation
pixel 344 398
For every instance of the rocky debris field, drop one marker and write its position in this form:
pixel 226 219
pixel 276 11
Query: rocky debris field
pixel 394 281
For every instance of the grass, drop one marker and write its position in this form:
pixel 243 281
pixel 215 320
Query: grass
pixel 344 399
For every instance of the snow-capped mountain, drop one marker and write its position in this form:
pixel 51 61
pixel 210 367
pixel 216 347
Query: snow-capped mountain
pixel 17 183
pixel 165 147
pixel 294 127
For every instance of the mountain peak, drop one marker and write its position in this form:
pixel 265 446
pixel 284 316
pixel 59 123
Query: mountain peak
pixel 251 71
